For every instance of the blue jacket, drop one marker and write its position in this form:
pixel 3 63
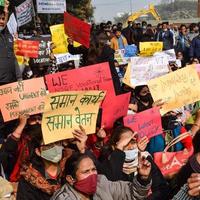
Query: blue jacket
pixel 195 48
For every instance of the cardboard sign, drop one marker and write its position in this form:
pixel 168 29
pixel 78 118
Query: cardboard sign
pixel 66 111
pixel 146 123
pixel 78 30
pixel 176 89
pixel 126 80
pixel 12 24
pixel 24 97
pixel 51 6
pixel 59 38
pixel 119 56
pixel 27 48
pixel 94 77
pixel 149 48
pixel 2 2
pixel 24 12
pixel 43 52
pixel 63 58
pixel 144 69
pixel 170 54
pixel 113 108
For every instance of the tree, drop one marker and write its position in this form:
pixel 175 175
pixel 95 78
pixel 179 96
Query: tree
pixel 81 8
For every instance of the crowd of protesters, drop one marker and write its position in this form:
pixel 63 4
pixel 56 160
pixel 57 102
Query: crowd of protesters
pixel 110 164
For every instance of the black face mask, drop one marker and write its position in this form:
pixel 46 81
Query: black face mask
pixel 147 98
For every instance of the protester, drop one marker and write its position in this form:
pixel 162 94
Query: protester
pixel 166 36
pixel 82 181
pixel 9 70
pixel 183 43
pixel 118 41
pixel 123 160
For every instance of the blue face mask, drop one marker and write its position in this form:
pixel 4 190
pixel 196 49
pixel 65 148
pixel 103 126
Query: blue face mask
pixel 131 154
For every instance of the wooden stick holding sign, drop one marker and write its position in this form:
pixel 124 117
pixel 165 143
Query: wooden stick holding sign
pixel 66 111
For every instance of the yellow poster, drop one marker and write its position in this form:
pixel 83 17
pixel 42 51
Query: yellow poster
pixel 176 89
pixel 127 76
pixel 149 48
pixel 66 111
pixel 59 38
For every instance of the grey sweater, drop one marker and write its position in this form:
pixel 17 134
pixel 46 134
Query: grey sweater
pixel 107 190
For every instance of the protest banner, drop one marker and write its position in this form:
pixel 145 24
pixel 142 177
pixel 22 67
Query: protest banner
pixel 1 2
pixel 127 76
pixel 44 50
pixel 78 30
pixel 23 97
pixel 59 38
pixel 66 111
pixel 144 69
pixel 146 123
pixel 63 58
pixel 113 108
pixel 51 6
pixel 176 89
pixel 94 77
pixel 24 12
pixel 27 48
pixel 12 25
pixel 149 48
pixel 170 54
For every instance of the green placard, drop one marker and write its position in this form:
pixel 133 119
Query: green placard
pixel 1 2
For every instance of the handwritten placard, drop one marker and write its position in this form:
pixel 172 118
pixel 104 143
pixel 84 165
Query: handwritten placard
pixel 146 123
pixel 59 38
pixel 126 80
pixel 94 77
pixel 144 69
pixel 77 29
pixel 44 50
pixel 113 108
pixel 24 97
pixel 66 111
pixel 149 48
pixel 27 48
pixel 176 89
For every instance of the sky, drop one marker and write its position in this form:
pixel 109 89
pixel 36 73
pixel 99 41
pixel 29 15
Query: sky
pixel 107 9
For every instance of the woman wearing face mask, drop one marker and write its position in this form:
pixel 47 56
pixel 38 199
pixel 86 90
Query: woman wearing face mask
pixel 143 97
pixel 41 176
pixel 123 161
pixel 84 183
pixel 144 100
pixel 14 151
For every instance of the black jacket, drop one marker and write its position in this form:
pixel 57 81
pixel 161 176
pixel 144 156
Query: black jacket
pixel 7 58
pixel 112 168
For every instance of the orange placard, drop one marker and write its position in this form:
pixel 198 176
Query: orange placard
pixel 23 97
pixel 27 48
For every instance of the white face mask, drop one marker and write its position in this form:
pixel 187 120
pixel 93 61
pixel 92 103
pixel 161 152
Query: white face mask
pixel 53 154
pixel 131 154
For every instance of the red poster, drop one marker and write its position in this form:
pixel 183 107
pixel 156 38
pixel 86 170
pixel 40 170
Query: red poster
pixel 113 108
pixel 146 123
pixel 78 30
pixel 94 77
pixel 27 48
